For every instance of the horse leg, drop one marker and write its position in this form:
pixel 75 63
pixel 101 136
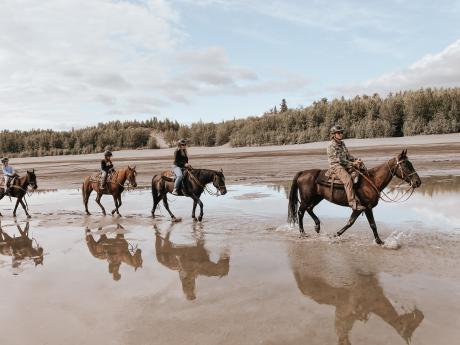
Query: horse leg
pixel 119 204
pixel 354 215
pixel 116 204
pixel 300 213
pixel 1 197
pixel 86 194
pixel 313 215
pixel 98 200
pixel 165 203
pixel 156 201
pixel 197 200
pixel 24 207
pixel 193 210
pixel 370 219
pixel 16 207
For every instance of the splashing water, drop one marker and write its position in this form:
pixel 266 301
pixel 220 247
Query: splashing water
pixel 393 241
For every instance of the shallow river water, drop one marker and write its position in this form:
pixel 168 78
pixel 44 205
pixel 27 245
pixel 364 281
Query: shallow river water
pixel 242 276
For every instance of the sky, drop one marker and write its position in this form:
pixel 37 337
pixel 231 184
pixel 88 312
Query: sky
pixel 75 63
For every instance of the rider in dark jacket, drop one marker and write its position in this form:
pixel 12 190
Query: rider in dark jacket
pixel 180 163
pixel 106 167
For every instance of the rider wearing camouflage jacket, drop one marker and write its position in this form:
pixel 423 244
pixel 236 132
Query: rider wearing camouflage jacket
pixel 340 162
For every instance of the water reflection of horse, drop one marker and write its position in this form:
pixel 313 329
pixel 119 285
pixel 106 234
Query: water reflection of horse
pixel 20 248
pixel 354 300
pixel 115 250
pixel 190 261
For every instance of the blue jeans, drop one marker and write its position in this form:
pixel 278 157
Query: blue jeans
pixel 179 177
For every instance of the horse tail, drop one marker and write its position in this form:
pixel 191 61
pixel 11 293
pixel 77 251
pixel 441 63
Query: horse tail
pixel 293 200
pixel 154 187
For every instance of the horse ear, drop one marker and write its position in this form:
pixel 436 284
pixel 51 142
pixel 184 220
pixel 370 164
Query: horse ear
pixel 134 167
pixel 221 170
pixel 33 170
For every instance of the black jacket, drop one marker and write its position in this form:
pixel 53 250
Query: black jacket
pixel 180 158
pixel 106 166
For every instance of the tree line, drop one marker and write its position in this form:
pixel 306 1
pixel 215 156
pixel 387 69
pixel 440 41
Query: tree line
pixel 424 111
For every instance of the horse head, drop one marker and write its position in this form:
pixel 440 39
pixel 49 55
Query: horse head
pixel 137 259
pixel 405 170
pixel 32 178
pixel 219 182
pixel 131 176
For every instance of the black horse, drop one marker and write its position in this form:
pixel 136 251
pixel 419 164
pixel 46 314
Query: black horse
pixel 18 190
pixel 194 184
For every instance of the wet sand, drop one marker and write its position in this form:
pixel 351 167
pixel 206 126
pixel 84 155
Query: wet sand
pixel 242 276
pixel 431 155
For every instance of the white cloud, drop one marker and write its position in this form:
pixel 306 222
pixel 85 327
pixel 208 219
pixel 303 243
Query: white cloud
pixel 78 62
pixel 434 70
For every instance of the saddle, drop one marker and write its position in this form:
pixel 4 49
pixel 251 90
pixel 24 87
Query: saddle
pixel 170 176
pixel 2 181
pixel 97 177
pixel 329 179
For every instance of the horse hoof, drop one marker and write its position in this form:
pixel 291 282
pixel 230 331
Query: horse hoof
pixel 29 216
pixel 379 242
pixel 317 229
pixel 194 219
pixel 88 214
pixel 200 219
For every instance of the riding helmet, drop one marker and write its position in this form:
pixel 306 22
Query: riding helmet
pixel 182 142
pixel 108 154
pixel 5 159
pixel 336 129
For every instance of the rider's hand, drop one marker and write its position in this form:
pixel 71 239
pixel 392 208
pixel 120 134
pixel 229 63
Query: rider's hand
pixel 187 165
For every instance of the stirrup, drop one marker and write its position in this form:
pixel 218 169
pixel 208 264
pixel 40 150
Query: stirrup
pixel 356 206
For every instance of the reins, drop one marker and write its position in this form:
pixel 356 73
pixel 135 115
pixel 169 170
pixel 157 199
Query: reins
pixel 205 187
pixel 389 199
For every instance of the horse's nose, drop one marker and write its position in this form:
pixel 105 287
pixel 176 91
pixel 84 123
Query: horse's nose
pixel 224 191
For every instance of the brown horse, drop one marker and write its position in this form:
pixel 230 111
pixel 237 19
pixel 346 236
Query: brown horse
pixel 18 190
pixel 194 184
pixel 115 187
pixel 368 190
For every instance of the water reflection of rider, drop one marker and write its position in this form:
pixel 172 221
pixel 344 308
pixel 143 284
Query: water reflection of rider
pixel 20 248
pixel 354 302
pixel 190 261
pixel 114 250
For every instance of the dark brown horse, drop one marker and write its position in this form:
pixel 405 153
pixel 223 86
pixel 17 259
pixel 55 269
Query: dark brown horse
pixel 194 184
pixel 19 190
pixel 368 190
pixel 115 186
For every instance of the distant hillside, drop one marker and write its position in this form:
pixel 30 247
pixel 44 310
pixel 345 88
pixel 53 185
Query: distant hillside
pixel 425 111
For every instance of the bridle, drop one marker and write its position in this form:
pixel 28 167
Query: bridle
pixel 386 197
pixel 403 175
